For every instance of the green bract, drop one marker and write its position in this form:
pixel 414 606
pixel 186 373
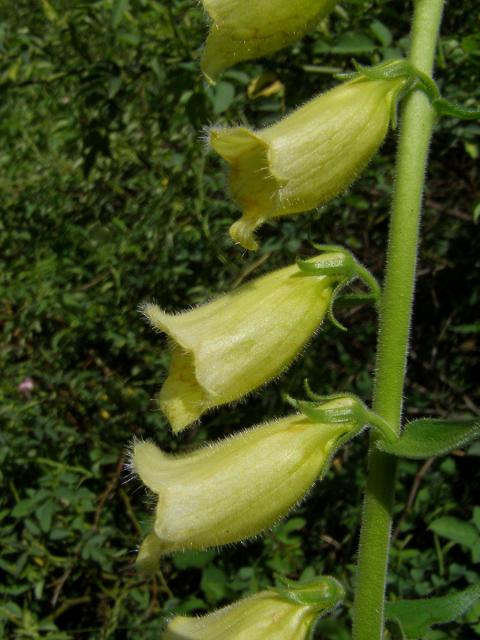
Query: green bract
pixel 307 158
pixel 242 30
pixel 235 488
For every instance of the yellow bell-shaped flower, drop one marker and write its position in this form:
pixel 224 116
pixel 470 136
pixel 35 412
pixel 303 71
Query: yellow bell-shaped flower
pixel 307 158
pixel 237 487
pixel 225 349
pixel 276 614
pixel 243 30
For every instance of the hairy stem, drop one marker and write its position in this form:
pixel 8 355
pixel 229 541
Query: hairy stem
pixel 394 328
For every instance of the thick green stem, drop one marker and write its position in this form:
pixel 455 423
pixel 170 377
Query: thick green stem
pixel 394 329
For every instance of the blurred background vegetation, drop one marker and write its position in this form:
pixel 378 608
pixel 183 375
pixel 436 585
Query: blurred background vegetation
pixel 109 198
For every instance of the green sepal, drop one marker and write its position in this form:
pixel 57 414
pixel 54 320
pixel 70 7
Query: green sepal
pixel 353 299
pixel 340 265
pixel 426 438
pixel 446 108
pixel 323 592
pixel 393 69
pixel 343 408
pixel 415 79
pixel 343 266
pixel 412 619
pixel 390 70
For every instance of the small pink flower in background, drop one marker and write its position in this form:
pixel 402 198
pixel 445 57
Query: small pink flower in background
pixel 26 386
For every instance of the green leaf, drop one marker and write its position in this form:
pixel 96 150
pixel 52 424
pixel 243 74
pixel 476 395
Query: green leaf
pixel 223 96
pixel 128 38
pixel 118 9
pixel 49 11
pixel 476 552
pixel 354 43
pixel 414 618
pixel 285 532
pixel 476 517
pixel 381 33
pixel 456 530
pixel 214 583
pixel 26 506
pixel 464 533
pixel 471 44
pixel 11 609
pixel 467 328
pixel 474 449
pixel 425 438
pixel 192 603
pixel 45 514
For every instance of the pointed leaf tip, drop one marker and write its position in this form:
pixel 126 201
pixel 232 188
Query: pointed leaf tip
pixel 412 619
pixel 426 438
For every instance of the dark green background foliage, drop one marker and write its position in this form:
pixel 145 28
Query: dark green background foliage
pixel 110 199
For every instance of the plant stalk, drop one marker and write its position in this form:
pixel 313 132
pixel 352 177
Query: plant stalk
pixel 394 327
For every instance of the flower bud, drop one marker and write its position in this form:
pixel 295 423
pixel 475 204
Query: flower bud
pixel 235 488
pixel 244 30
pixel 307 158
pixel 268 615
pixel 226 348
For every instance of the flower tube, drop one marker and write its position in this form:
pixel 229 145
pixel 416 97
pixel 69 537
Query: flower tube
pixel 224 349
pixel 237 487
pixel 244 30
pixel 280 614
pixel 307 158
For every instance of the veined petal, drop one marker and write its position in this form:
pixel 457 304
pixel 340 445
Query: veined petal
pixel 307 158
pixel 235 488
pixel 231 346
pixel 242 31
pixel 323 146
pixel 277 614
pixel 264 616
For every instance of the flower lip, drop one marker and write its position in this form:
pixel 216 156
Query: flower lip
pixel 248 155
